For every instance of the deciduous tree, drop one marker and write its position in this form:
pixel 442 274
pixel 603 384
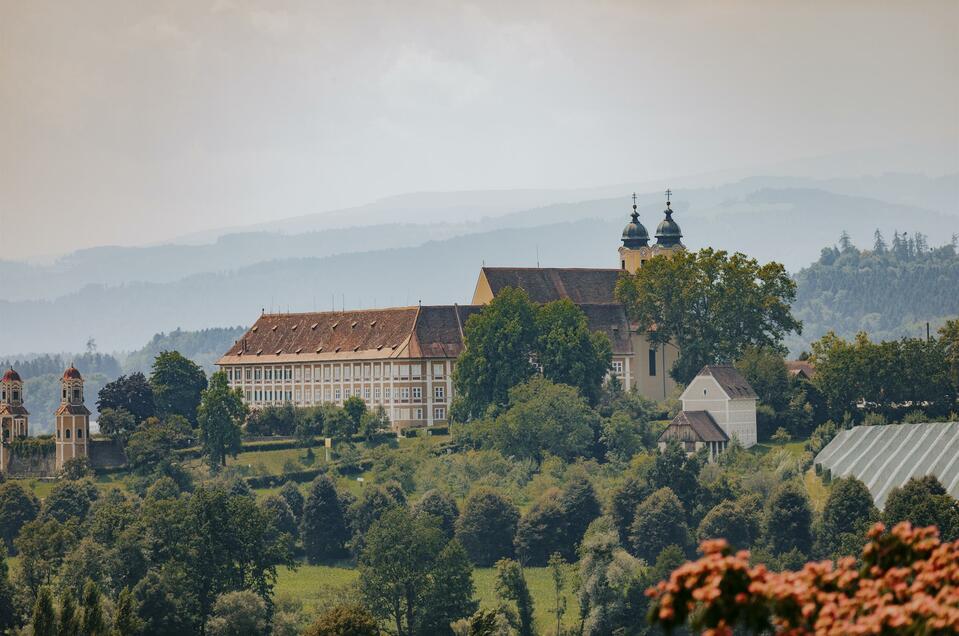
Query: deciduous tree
pixel 220 415
pixel 486 526
pixel 177 384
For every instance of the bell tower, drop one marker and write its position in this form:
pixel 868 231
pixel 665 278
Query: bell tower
pixel 635 249
pixel 14 416
pixel 73 419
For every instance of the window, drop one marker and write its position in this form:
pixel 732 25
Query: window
pixel 79 433
pixel 16 395
pixel 416 370
pixel 438 370
pixel 404 371
pixel 67 433
pixel 439 392
pixel 248 375
pixel 296 373
pixel 376 371
pixel 298 398
pixel 326 372
pixel 690 447
pixel 419 414
pixel 326 395
pixel 386 393
pixel 76 394
pixel 366 372
pixel 347 392
pixel 309 374
pixel 336 395
pixel 257 374
pixel 248 396
pixel 376 394
pixel 617 367
pixel 6 433
pixel 652 362
pixel 347 370
pixel 366 393
pixel 417 393
pixel 268 373
pixel 405 393
pixel 439 413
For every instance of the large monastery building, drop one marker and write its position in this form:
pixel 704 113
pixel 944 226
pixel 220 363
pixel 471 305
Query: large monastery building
pixel 402 358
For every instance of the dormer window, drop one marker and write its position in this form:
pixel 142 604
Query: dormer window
pixel 76 394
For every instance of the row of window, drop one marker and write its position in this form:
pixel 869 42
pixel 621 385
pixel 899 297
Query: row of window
pixel 327 372
pixel 618 366
pixel 66 433
pixel 376 394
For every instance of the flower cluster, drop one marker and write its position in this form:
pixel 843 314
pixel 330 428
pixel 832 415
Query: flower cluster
pixel 908 583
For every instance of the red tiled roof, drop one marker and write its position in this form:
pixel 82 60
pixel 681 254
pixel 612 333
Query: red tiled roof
pixel 11 376
pixel 805 367
pixel 72 374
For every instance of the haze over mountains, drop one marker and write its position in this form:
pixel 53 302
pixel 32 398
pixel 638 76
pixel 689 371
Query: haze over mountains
pixel 429 247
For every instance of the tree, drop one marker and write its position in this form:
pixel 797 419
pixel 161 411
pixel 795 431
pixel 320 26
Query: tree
pixel 710 305
pixel 220 415
pixel 949 336
pixel 542 531
pixel 130 393
pixel 151 446
pixel 395 567
pixel 355 409
pixel 440 505
pixel 94 622
pixel 17 507
pixel 117 423
pixel 177 384
pixel 374 423
pixel 231 546
pixel 737 523
pixel 765 370
pixel 294 499
pixel 511 587
pixel 557 571
pixel 789 519
pixel 325 530
pixel 70 616
pixel 923 502
pixel 9 616
pixel 168 604
pixel 580 507
pixel 486 526
pixel 660 521
pixel 70 500
pixel 344 620
pixel 44 619
pixel 544 418
pixel 499 343
pixel 449 596
pixel 41 546
pixel 679 472
pixel 125 619
pixel 623 502
pixel 611 586
pixel 904 586
pixel 280 515
pixel 240 613
pixel 846 517
pixel 568 352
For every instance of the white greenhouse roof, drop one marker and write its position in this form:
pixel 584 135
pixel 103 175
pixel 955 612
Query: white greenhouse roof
pixel 884 457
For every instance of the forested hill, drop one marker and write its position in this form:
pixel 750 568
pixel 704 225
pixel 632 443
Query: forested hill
pixel 889 291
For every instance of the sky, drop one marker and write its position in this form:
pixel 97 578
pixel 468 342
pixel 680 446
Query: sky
pixel 134 122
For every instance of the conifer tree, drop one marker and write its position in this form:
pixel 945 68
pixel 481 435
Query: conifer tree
pixel 94 623
pixel 44 616
pixel 125 620
pixel 511 586
pixel 324 527
pixel 69 616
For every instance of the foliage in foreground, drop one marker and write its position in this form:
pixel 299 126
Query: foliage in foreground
pixel 905 585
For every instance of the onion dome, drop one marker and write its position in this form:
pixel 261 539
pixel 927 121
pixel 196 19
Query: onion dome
pixel 11 376
pixel 668 233
pixel 72 374
pixel 635 234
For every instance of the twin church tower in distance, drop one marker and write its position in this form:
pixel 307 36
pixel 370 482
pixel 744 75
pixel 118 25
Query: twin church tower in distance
pixel 72 417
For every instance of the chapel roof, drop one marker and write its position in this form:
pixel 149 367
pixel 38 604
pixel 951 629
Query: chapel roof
pixel 694 426
pixel 72 409
pixel 10 409
pixel 11 376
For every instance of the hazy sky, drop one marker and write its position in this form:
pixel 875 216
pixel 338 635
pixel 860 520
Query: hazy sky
pixel 130 122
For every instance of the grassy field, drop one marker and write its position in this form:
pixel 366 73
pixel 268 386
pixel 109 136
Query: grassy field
pixel 42 487
pixel 317 585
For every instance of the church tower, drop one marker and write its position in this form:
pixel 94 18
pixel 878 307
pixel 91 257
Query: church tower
pixel 668 235
pixel 13 415
pixel 635 249
pixel 73 419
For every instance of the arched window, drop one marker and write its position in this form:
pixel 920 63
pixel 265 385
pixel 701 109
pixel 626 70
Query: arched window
pixel 67 433
pixel 58 433
pixel 79 433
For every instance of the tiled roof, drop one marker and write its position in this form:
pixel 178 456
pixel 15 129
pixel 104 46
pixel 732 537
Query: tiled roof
pixel 804 367
pixel 730 380
pixel 9 409
pixel 73 409
pixel 582 286
pixel 405 332
pixel 694 426
pixel 611 320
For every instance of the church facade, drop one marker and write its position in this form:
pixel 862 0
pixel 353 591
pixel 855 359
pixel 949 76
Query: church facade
pixel 401 359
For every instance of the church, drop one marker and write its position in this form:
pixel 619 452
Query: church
pixel 402 358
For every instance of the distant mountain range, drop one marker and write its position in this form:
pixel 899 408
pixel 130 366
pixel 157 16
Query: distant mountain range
pixel 429 248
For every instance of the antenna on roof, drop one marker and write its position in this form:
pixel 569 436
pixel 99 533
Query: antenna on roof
pixel 343 303
pixel 537 257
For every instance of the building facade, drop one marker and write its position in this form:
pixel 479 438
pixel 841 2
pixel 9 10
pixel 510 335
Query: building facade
pixel 401 359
